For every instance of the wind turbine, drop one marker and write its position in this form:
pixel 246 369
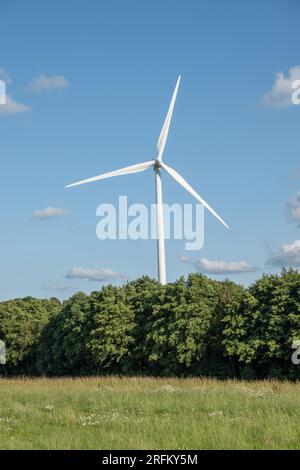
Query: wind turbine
pixel 157 164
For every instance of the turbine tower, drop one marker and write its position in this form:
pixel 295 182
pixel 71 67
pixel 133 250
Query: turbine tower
pixel 157 164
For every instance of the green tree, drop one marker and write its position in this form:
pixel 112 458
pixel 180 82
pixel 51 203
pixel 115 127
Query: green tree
pixel 21 324
pixel 260 328
pixel 110 340
pixel 217 361
pixel 180 322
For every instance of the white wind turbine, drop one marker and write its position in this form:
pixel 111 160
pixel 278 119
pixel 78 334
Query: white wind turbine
pixel 157 164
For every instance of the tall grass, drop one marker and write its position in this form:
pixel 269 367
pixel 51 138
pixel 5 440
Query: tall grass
pixel 148 413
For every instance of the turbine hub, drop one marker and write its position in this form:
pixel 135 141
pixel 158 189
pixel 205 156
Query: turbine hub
pixel 157 163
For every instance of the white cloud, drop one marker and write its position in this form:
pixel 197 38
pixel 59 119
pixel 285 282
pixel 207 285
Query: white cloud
pixel 13 107
pixel 287 256
pixel 49 213
pixel 281 94
pixel 4 76
pixel 293 208
pixel 9 105
pixel 48 82
pixel 185 259
pixel 207 266
pixel 90 274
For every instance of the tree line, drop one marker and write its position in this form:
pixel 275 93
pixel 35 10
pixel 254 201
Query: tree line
pixel 192 327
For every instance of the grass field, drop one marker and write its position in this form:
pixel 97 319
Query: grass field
pixel 148 413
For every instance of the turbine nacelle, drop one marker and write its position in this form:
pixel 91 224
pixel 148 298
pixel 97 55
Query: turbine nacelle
pixel 157 163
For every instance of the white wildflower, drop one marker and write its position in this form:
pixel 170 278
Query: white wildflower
pixel 212 414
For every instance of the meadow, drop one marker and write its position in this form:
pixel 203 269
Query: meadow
pixel 148 413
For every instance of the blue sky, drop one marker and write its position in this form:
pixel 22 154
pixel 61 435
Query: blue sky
pixel 89 85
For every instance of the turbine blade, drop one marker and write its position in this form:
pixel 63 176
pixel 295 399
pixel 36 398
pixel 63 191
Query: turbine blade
pixel 177 177
pixel 165 129
pixel 123 171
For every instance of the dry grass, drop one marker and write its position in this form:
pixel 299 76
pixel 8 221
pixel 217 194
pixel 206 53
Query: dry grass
pixel 148 413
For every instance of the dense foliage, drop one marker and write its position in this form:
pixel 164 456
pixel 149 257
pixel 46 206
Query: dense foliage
pixel 22 322
pixel 197 326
